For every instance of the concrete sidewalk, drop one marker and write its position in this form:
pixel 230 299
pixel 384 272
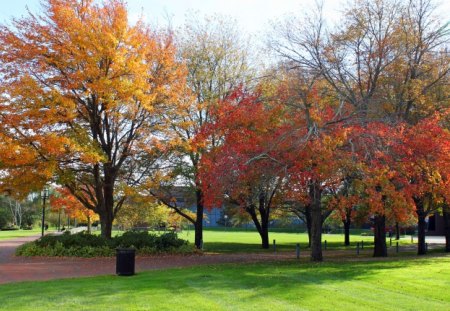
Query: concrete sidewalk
pixel 428 239
pixel 435 239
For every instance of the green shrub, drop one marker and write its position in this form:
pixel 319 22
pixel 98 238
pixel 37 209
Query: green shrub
pixel 10 228
pixel 73 240
pixel 169 241
pixel 87 245
pixel 135 239
pixel 142 239
pixel 58 250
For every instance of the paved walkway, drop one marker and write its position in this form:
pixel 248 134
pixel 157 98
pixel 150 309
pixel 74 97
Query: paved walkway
pixel 435 239
pixel 17 269
pixel 8 248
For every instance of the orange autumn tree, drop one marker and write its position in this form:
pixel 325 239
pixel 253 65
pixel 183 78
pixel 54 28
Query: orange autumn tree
pixel 31 176
pixel 314 149
pixel 382 195
pixel 82 93
pixel 64 201
pixel 314 164
pixel 423 158
pixel 383 199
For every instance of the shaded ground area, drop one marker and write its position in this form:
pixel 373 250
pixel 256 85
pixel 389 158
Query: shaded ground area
pixel 17 269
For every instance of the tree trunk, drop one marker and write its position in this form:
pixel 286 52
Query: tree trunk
pixel 261 226
pixel 380 249
pixel 106 221
pixel 309 233
pixel 446 214
pixel 347 223
pixel 198 225
pixel 316 221
pixel 89 224
pixel 264 212
pixel 308 223
pixel 107 208
pixel 397 231
pixel 264 237
pixel 421 227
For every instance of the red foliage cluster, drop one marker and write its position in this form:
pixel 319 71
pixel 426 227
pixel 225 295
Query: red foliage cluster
pixel 264 145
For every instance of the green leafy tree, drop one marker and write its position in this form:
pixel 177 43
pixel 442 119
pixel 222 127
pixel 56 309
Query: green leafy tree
pixel 217 59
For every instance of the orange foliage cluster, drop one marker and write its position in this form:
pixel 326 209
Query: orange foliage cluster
pixel 83 93
pixel 64 201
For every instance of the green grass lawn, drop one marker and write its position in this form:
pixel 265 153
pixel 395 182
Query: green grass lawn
pixel 405 284
pixel 233 240
pixel 11 234
pixel 250 241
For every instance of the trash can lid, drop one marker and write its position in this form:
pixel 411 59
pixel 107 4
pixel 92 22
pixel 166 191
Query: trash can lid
pixel 123 249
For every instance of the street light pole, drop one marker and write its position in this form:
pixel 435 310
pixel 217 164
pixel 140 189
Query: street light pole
pixel 59 220
pixel 44 195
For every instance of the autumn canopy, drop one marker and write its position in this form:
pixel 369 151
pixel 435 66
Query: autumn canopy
pixel 351 121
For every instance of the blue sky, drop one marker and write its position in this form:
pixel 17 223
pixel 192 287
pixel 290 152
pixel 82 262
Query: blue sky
pixel 252 15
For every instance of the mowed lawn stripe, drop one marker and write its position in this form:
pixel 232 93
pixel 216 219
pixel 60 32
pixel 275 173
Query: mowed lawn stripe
pixel 249 241
pixel 406 284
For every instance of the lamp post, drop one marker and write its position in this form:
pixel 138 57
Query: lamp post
pixel 59 219
pixel 61 208
pixel 44 195
pixel 226 221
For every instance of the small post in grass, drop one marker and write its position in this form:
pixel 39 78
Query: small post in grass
pixel 426 247
pixel 274 246
pixel 297 250
pixel 325 244
pixel 357 248
pixel 396 247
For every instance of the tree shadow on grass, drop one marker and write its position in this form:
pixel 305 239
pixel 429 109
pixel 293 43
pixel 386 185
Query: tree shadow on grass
pixel 185 288
pixel 237 247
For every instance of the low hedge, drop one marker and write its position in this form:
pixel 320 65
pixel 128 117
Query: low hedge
pixel 10 228
pixel 88 245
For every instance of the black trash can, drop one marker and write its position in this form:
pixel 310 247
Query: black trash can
pixel 125 261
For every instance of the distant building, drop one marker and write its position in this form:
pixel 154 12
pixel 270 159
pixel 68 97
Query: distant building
pixel 184 198
pixel 212 217
pixel 436 225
